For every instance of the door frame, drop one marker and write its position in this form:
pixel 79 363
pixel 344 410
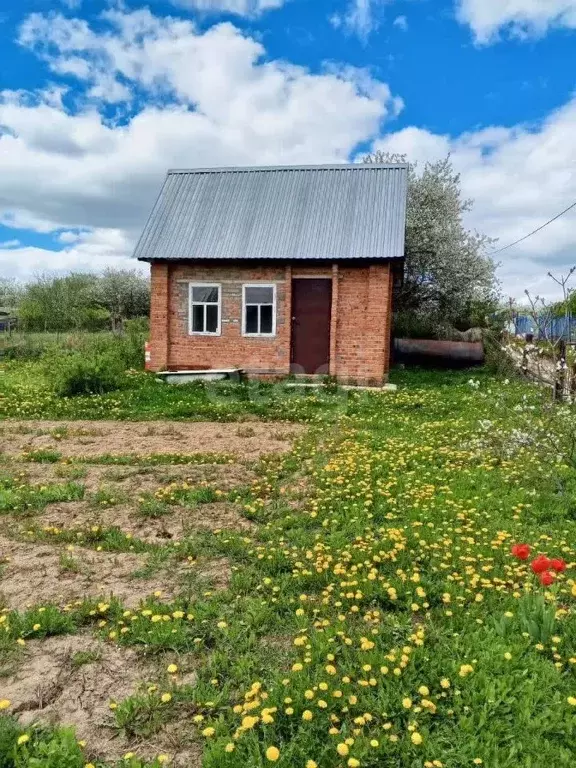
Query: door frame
pixel 330 279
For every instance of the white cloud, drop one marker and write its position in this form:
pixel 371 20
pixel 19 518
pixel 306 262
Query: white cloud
pixel 363 17
pixel 519 178
pixel 94 251
pixel 10 244
pixel 358 18
pixel 520 17
pixel 210 98
pixel 238 7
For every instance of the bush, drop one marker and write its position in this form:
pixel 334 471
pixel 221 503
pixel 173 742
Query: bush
pixel 132 342
pixel 92 366
pixel 412 325
pixel 77 374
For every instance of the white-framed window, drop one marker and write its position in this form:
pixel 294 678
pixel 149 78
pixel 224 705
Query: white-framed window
pixel 204 309
pixel 258 309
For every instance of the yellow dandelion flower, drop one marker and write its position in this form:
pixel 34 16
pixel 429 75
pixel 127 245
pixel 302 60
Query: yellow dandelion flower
pixel 272 754
pixel 416 738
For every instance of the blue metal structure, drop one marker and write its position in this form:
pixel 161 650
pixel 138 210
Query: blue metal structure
pixel 557 328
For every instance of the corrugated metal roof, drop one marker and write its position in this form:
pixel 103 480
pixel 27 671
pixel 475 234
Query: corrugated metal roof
pixel 281 212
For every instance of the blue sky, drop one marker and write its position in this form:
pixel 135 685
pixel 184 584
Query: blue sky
pixel 98 98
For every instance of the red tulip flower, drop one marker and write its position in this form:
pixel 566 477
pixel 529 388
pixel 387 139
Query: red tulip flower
pixel 546 578
pixel 540 564
pixel 558 564
pixel 521 551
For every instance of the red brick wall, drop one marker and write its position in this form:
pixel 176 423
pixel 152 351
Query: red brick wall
pixel 159 341
pixel 360 323
pixel 230 349
pixel 363 323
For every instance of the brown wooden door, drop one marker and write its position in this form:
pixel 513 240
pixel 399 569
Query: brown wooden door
pixel 311 303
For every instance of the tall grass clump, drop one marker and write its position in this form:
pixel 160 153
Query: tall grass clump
pixel 94 365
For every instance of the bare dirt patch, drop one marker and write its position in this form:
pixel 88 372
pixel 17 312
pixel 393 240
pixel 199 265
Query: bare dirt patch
pixel 217 571
pixel 173 525
pixel 93 438
pixel 71 681
pixel 33 574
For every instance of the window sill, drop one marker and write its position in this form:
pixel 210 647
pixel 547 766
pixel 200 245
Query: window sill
pixel 204 333
pixel 259 335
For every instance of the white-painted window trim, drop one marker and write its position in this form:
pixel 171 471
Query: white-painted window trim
pixel 244 306
pixel 191 303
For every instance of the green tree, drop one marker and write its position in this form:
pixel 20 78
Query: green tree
pixel 58 303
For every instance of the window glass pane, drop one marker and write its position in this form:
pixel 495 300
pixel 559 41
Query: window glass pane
pixel 198 318
pixel 212 318
pixel 251 319
pixel 266 319
pixel 259 295
pixel 204 293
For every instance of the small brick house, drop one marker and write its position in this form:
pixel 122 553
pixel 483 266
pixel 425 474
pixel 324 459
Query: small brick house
pixel 276 270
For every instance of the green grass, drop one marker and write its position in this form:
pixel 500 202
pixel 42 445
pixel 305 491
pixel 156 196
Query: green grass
pixel 381 620
pixel 16 496
pixel 25 393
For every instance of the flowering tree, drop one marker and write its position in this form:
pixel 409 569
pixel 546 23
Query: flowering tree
pixel 10 292
pixel 124 293
pixel 447 271
pixel 82 301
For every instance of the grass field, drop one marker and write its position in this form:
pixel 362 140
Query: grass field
pixel 249 576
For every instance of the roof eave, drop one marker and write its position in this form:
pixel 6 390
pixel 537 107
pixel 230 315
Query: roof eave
pixel 224 259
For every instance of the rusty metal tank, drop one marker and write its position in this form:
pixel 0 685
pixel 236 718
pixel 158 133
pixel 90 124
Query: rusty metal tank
pixel 443 353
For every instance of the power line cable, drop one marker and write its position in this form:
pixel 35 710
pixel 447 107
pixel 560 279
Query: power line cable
pixel 505 248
